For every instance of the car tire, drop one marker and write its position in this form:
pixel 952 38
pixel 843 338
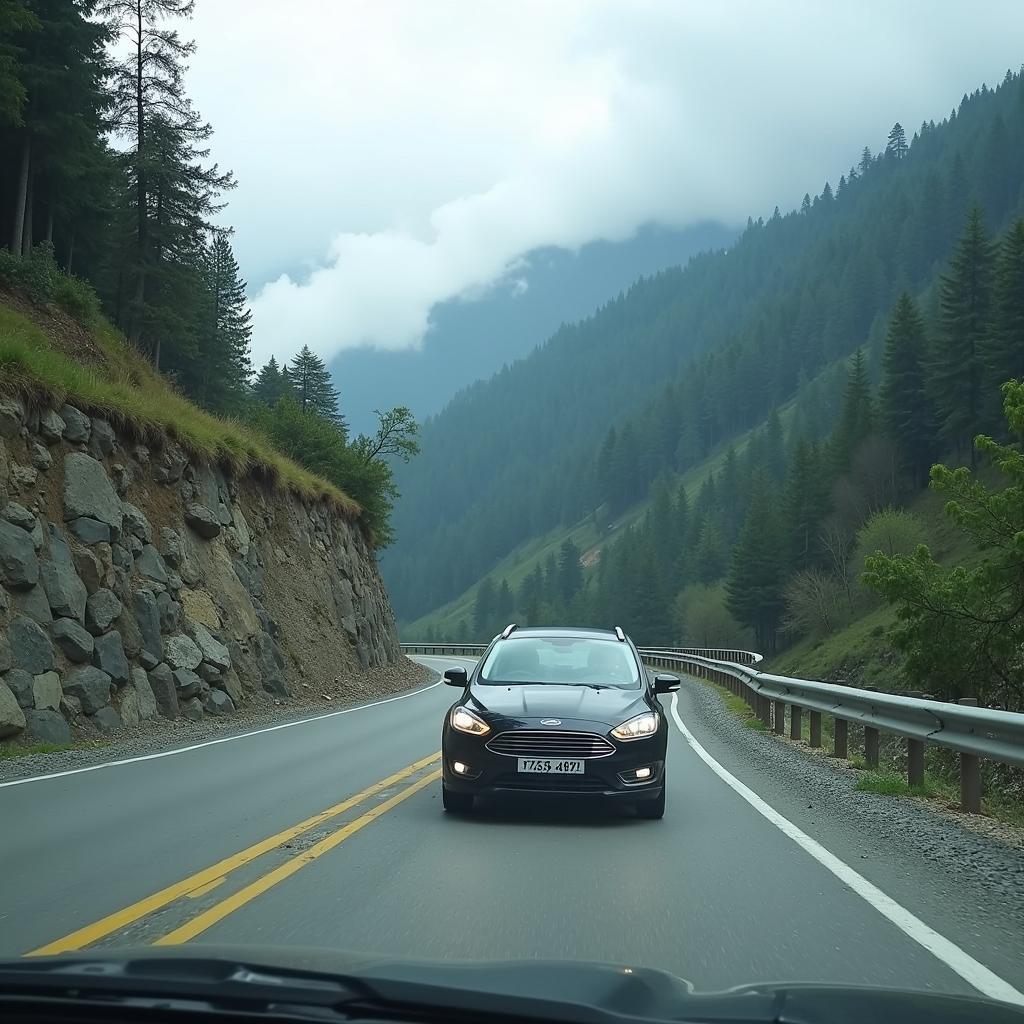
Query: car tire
pixel 654 809
pixel 456 803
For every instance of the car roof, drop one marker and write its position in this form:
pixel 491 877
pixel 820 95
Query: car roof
pixel 563 631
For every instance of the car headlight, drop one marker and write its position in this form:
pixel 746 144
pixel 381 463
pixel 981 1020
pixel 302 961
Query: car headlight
pixel 466 721
pixel 637 728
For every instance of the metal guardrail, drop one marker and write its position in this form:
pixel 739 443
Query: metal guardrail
pixel 718 653
pixel 973 732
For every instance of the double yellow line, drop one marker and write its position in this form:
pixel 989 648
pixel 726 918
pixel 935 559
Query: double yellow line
pixel 209 878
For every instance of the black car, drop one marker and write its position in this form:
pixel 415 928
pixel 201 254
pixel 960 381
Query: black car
pixel 557 711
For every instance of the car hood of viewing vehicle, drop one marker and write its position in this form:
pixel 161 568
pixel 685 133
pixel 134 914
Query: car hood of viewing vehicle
pixel 526 702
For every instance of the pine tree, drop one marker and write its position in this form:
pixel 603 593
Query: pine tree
pixel 314 389
pixel 224 342
pixel 711 559
pixel 866 160
pixel 61 60
pixel 15 18
pixel 173 195
pixel 484 609
pixel 805 505
pixel 857 418
pixel 570 573
pixel 271 384
pixel 897 144
pixel 965 297
pixel 906 410
pixel 1003 348
pixel 504 603
pixel 756 581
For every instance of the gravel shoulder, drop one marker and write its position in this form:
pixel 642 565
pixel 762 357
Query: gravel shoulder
pixel 942 865
pixel 261 709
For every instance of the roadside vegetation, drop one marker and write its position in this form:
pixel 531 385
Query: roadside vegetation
pixel 113 219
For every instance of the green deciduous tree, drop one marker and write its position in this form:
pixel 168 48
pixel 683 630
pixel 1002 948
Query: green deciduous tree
pixel 961 629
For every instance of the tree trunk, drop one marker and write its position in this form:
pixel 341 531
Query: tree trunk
pixel 21 193
pixel 49 222
pixel 71 250
pixel 134 335
pixel 27 238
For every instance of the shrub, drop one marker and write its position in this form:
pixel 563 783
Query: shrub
pixel 39 276
pixel 814 603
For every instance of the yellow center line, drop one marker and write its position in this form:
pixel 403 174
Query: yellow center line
pixel 219 911
pixel 128 915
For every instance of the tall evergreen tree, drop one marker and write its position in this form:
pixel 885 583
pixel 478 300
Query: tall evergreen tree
pixel 570 573
pixel 484 610
pixel 805 505
pixel 271 384
pixel 313 386
pixel 966 302
pixel 905 407
pixel 1003 348
pixel 896 146
pixel 227 327
pixel 15 18
pixel 711 559
pixel 173 194
pixel 757 579
pixel 857 418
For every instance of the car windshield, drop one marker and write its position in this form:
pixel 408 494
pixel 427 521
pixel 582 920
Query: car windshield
pixel 567 660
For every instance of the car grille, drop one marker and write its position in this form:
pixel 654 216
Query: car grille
pixel 551 783
pixel 550 743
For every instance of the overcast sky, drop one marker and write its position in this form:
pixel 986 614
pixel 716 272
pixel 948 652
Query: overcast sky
pixel 392 154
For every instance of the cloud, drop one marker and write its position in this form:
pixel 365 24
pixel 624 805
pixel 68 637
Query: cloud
pixel 394 154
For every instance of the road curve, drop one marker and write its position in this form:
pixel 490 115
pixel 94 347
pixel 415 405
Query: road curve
pixel 330 833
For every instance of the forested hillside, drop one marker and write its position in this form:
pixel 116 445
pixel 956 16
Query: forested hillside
pixel 110 204
pixel 471 337
pixel 681 364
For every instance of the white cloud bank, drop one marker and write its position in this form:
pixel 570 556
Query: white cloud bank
pixel 403 152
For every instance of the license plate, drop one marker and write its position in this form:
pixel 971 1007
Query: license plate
pixel 550 766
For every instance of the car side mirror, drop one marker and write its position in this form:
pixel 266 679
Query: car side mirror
pixel 665 682
pixel 456 677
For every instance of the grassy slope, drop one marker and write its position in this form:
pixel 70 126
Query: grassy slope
pixel 119 384
pixel 861 653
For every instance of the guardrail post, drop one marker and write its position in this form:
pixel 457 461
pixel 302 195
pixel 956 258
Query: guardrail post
pixel 815 717
pixel 915 762
pixel 764 710
pixel 780 717
pixel 796 722
pixel 841 745
pixel 871 746
pixel 970 774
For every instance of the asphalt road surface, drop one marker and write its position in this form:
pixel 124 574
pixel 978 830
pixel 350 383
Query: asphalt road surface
pixel 330 833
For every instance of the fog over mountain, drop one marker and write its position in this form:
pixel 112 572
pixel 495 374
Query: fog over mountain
pixel 420 150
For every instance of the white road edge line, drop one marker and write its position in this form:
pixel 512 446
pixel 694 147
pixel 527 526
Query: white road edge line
pixel 956 959
pixel 223 739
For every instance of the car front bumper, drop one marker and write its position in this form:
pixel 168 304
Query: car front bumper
pixel 494 774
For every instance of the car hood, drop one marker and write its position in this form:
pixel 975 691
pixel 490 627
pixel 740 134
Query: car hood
pixel 524 704
pixel 331 985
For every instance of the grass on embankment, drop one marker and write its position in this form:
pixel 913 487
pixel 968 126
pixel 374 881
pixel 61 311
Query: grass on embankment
pixel 122 387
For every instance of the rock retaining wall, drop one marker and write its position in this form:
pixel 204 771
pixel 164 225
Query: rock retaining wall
pixel 138 582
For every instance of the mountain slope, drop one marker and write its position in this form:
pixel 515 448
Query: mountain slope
pixel 470 339
pixel 693 357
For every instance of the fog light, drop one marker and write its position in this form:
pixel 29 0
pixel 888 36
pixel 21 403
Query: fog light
pixel 459 768
pixel 643 773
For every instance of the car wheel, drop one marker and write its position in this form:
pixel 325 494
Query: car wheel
pixel 652 808
pixel 456 803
